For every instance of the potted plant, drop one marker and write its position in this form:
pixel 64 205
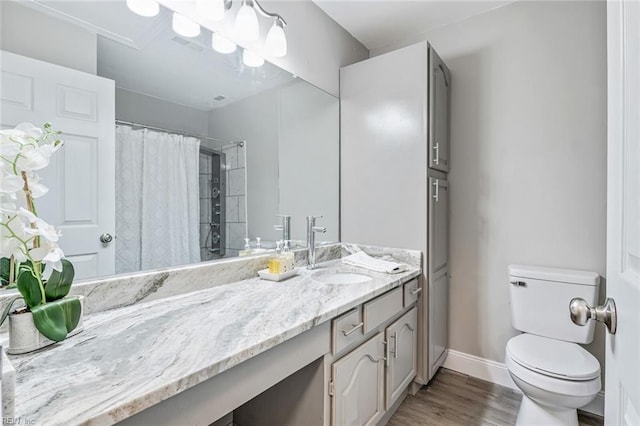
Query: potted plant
pixel 29 243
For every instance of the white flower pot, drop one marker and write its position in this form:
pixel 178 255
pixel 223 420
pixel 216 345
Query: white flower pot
pixel 24 336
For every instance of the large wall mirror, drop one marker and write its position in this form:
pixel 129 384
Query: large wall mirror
pixel 202 152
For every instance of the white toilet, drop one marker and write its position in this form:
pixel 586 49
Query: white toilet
pixel 555 374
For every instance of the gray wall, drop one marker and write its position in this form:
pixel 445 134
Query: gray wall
pixel 255 120
pixel 292 157
pixel 528 137
pixel 139 108
pixel 47 39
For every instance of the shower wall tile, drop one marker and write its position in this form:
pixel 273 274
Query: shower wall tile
pixel 204 185
pixel 204 232
pixel 242 209
pixel 205 164
pixel 236 182
pixel 205 210
pixel 236 235
pixel 241 157
pixel 231 160
pixel 232 209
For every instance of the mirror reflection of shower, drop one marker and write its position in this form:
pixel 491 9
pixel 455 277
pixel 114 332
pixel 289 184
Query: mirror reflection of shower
pixel 212 204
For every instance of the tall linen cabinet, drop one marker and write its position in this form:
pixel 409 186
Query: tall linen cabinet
pixel 394 114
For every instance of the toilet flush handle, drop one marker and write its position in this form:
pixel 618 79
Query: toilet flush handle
pixel 581 312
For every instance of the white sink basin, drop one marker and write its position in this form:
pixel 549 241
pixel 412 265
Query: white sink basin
pixel 340 277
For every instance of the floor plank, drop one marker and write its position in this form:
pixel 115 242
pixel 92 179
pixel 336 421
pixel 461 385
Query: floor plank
pixel 457 399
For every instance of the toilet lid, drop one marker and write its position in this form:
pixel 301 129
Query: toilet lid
pixel 553 358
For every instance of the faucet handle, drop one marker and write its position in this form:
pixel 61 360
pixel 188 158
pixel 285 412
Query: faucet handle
pixel 319 229
pixel 283 215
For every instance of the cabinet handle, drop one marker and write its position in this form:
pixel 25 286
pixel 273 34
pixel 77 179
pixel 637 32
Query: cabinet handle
pixel 395 345
pixel 436 195
pixel 355 327
pixel 436 157
pixel 416 291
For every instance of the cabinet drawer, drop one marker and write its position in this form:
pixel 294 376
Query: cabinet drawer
pixel 411 292
pixel 346 329
pixel 381 309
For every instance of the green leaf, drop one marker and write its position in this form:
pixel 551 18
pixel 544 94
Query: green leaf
pixel 7 308
pixel 5 267
pixel 59 283
pixel 29 288
pixel 72 312
pixel 50 321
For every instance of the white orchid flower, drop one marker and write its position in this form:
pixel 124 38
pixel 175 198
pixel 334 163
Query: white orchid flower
pixel 10 183
pixel 49 253
pixel 30 130
pixel 12 235
pixel 37 189
pixel 11 142
pixel 43 229
pixel 30 217
pixel 35 157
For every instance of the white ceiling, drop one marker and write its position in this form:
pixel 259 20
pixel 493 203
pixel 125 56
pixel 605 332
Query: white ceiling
pixel 144 55
pixel 381 23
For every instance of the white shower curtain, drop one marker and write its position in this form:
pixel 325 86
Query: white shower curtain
pixel 157 200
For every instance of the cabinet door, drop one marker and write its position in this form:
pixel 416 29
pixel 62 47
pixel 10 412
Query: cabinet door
pixel 402 357
pixel 358 385
pixel 439 93
pixel 438 227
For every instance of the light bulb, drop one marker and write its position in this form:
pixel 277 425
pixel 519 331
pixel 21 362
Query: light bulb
pixel 221 44
pixel 247 23
pixel 211 9
pixel 184 26
pixel 276 42
pixel 144 7
pixel 250 59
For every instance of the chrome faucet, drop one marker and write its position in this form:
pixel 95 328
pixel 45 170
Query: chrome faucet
pixel 311 240
pixel 285 227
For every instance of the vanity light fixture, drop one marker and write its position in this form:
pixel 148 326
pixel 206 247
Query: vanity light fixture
pixel 276 41
pixel 251 59
pixel 247 27
pixel 221 44
pixel 145 8
pixel 211 9
pixel 184 26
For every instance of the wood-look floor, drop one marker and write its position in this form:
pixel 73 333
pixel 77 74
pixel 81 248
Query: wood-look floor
pixel 456 399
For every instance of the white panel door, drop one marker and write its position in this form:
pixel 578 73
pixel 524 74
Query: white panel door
pixel 402 355
pixel 622 396
pixel 81 176
pixel 358 379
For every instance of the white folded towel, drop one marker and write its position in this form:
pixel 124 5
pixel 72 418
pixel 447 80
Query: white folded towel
pixel 363 260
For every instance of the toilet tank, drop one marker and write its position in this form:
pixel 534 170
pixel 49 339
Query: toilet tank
pixel 540 297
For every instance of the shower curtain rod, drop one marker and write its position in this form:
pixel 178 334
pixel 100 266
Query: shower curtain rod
pixel 177 132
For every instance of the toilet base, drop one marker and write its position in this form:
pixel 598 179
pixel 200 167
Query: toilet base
pixel 532 413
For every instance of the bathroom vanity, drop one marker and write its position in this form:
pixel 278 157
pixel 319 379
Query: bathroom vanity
pixel 293 351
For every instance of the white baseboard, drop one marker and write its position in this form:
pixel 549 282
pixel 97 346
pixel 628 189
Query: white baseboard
pixel 496 372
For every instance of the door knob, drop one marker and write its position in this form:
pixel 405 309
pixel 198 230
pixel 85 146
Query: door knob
pixel 106 238
pixel 581 312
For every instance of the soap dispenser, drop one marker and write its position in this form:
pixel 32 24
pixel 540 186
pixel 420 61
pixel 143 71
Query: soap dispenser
pixel 287 258
pixel 274 262
pixel 247 248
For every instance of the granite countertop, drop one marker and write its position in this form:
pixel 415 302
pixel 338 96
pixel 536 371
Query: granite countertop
pixel 131 358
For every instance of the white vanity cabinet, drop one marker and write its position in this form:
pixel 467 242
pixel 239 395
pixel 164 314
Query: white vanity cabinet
pixel 367 381
pixel 358 385
pixel 402 357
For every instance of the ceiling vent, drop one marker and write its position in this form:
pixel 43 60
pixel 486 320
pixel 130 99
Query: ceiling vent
pixel 187 43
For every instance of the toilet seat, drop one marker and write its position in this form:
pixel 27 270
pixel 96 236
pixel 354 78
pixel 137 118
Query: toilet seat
pixel 553 358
